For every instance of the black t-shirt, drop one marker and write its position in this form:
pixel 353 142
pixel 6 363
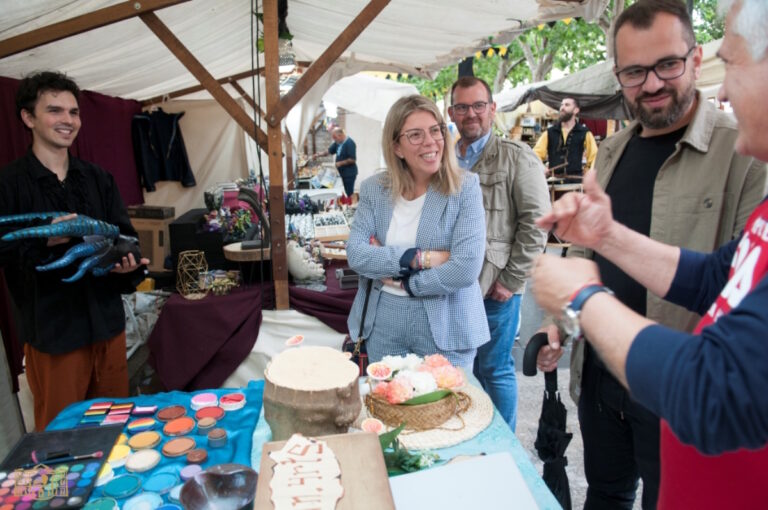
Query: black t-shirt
pixel 53 316
pixel 631 191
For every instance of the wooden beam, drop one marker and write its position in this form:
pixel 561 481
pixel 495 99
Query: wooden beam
pixel 240 90
pixel 276 200
pixel 198 88
pixel 279 110
pixel 204 77
pixel 80 24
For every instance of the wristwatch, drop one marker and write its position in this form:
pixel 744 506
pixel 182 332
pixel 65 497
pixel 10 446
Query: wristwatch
pixel 572 309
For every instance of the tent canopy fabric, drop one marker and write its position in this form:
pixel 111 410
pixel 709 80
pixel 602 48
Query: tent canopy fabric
pixel 125 59
pixel 598 91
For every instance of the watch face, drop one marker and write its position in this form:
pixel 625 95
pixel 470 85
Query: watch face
pixel 570 322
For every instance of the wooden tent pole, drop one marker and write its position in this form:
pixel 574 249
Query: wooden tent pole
pixel 80 24
pixel 203 76
pixel 274 151
pixel 282 106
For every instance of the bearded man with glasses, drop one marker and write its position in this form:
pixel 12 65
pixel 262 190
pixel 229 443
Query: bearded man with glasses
pixel 673 175
pixel 514 195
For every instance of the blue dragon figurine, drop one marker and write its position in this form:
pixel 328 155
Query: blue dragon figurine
pixel 102 247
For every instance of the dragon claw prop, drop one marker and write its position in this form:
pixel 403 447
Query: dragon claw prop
pixel 103 246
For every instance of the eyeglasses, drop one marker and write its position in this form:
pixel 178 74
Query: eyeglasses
pixel 666 69
pixel 418 136
pixel 478 107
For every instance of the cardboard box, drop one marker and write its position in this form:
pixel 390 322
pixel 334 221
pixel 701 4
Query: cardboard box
pixel 154 240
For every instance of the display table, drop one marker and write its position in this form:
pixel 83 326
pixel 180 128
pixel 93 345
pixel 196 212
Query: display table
pixel 248 432
pixel 198 344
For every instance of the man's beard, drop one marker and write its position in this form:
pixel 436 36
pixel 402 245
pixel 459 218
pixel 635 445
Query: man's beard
pixel 566 116
pixel 662 118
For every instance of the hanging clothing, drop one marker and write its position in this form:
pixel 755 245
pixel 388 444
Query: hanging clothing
pixel 159 149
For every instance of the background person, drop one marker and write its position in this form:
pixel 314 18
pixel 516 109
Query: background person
pixel 708 386
pixel 73 333
pixel 418 234
pixel 566 144
pixel 345 150
pixel 514 194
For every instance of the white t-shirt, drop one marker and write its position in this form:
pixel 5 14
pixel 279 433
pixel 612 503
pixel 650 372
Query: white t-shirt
pixel 402 229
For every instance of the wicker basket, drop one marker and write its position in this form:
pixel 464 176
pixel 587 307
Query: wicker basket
pixel 421 416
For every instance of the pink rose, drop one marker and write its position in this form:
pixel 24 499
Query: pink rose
pixel 448 377
pixel 381 390
pixel 436 360
pixel 398 393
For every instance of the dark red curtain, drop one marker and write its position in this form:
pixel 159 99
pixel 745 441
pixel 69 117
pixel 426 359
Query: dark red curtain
pixel 104 139
pixel 599 127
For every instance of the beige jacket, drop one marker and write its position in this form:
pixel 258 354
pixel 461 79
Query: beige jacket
pixel 702 198
pixel 515 194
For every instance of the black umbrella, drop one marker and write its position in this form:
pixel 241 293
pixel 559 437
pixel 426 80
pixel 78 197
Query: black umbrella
pixel 551 438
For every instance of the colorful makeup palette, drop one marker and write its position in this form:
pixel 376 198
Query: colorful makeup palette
pixel 142 460
pixel 202 400
pixel 178 446
pixel 144 440
pixel 232 401
pixel 65 482
pixel 216 413
pixel 141 425
pixel 106 474
pixel 123 486
pixel 171 413
pixel 179 426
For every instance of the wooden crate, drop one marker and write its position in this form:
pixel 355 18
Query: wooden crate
pixel 154 240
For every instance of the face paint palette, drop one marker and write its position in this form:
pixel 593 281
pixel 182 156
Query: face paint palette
pixel 56 469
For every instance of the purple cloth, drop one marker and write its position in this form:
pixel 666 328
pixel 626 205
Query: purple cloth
pixel 198 344
pixel 330 307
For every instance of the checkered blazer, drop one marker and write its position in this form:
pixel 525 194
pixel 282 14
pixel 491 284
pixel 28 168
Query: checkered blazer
pixel 450 293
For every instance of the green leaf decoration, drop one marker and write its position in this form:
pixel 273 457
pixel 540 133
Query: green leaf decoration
pixel 260 45
pixel 386 439
pixel 428 398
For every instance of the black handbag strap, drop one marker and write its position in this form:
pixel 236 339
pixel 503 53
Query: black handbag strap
pixel 360 338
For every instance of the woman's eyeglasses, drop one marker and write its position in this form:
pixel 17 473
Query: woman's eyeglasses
pixel 418 136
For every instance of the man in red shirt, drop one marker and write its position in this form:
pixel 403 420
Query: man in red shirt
pixel 708 386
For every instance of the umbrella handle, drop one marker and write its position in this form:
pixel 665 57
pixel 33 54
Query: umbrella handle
pixel 535 344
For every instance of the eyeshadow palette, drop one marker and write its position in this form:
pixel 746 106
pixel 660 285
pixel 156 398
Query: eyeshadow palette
pixel 56 469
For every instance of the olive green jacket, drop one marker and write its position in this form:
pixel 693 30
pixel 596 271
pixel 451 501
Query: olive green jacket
pixel 702 197
pixel 515 194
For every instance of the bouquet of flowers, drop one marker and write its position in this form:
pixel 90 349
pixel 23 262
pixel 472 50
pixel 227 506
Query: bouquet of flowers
pixel 412 380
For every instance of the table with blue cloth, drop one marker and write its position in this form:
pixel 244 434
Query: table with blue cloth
pixel 248 431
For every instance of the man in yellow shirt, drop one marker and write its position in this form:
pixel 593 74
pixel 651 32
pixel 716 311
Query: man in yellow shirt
pixel 573 144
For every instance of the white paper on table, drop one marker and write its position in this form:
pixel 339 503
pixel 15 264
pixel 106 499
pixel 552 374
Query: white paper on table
pixel 490 482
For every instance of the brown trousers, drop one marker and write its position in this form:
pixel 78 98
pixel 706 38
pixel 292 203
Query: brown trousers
pixel 58 380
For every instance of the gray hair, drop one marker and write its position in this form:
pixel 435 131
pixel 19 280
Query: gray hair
pixel 751 23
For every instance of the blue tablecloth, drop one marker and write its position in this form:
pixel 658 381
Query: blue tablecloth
pixel 239 425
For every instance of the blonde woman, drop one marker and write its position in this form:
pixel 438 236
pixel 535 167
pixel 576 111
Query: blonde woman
pixel 419 235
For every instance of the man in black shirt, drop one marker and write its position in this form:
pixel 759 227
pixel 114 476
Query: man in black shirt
pixel 73 333
pixel 673 175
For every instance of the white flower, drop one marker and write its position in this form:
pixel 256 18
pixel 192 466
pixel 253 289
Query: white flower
pixel 421 382
pixel 410 361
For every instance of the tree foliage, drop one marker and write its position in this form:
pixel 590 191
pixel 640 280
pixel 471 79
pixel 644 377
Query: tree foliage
pixel 569 45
